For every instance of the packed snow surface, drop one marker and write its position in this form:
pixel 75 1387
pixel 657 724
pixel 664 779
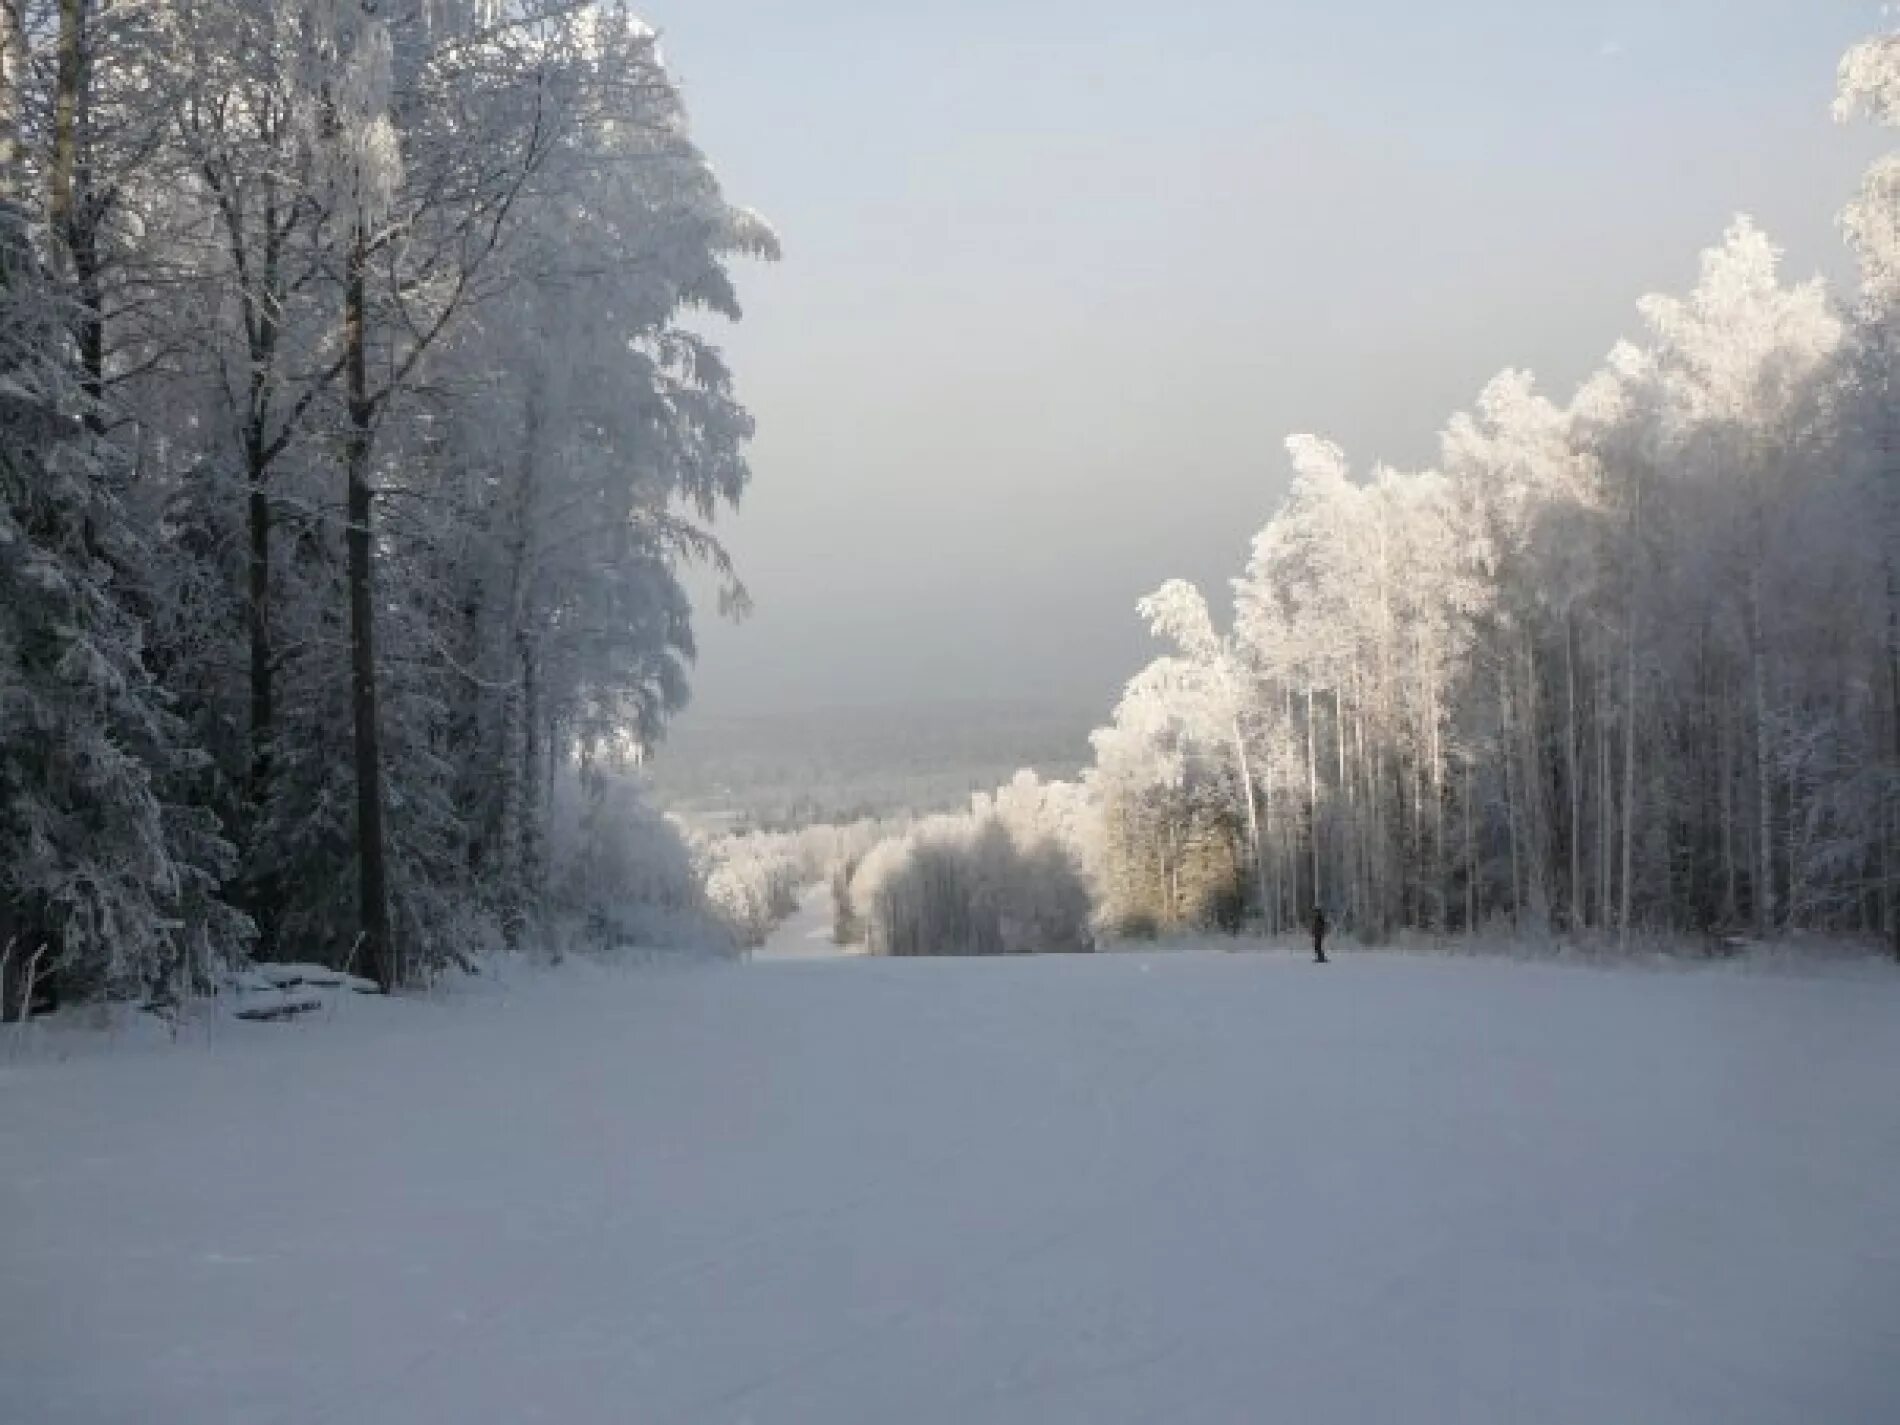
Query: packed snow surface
pixel 1176 1188
pixel 806 933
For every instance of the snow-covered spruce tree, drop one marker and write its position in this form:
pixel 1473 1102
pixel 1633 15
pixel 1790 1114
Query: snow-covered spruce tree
pixel 390 310
pixel 307 842
pixel 107 884
pixel 597 439
pixel 534 220
pixel 232 361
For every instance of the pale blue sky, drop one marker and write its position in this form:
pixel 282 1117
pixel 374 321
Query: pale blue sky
pixel 1060 276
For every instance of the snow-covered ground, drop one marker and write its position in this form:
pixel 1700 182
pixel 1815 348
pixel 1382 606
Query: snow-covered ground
pixel 1184 1188
pixel 806 933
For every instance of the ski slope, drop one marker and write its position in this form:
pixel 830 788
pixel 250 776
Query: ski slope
pixel 1189 1188
pixel 806 934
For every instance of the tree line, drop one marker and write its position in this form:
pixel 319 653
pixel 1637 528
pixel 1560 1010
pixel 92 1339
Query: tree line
pixel 1628 662
pixel 357 421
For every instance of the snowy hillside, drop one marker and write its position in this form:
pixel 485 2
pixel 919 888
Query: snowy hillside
pixel 1201 1187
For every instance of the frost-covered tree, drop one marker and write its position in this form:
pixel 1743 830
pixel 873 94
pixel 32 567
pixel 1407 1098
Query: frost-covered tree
pixel 383 331
pixel 1870 88
pixel 1215 685
pixel 596 437
pixel 1174 850
pixel 971 885
pixel 108 880
pixel 1626 663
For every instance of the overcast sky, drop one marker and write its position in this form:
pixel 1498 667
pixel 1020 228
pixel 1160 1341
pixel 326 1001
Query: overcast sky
pixel 1060 276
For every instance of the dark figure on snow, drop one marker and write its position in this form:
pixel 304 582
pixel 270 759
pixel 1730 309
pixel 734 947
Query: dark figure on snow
pixel 1319 936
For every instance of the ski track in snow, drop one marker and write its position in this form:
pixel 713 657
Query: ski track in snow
pixel 1182 1188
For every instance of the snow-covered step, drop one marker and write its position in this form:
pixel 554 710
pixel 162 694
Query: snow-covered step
pixel 276 1004
pixel 321 977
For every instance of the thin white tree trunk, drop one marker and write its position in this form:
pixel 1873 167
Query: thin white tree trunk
pixel 1893 709
pixel 1253 815
pixel 1536 813
pixel 1575 775
pixel 1312 802
pixel 1366 772
pixel 1606 793
pixel 1764 768
pixel 1438 809
pixel 1270 865
pixel 1730 900
pixel 1471 859
pixel 1629 778
pixel 1634 575
pixel 1346 842
pixel 1505 747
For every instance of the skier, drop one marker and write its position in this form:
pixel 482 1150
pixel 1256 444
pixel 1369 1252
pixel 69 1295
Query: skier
pixel 1319 936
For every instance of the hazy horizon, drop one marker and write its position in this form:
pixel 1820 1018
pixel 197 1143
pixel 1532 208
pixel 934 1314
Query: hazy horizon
pixel 1059 279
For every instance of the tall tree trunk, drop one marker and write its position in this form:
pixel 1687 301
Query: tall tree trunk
pixel 1507 759
pixel 1629 779
pixel 1574 774
pixel 1253 815
pixel 1536 812
pixel 1764 767
pixel 12 80
pixel 1412 863
pixel 532 841
pixel 512 897
pixel 1893 718
pixel 1312 802
pixel 520 758
pixel 1634 576
pixel 70 213
pixel 262 327
pixel 1286 863
pixel 1276 863
pixel 1795 849
pixel 15 255
pixel 1172 916
pixel 1367 823
pixel 1606 793
pixel 521 801
pixel 89 323
pixel 264 901
pixel 1438 809
pixel 1731 901
pixel 1346 844
pixel 1890 869
pixel 378 948
pixel 69 69
pixel 1471 858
